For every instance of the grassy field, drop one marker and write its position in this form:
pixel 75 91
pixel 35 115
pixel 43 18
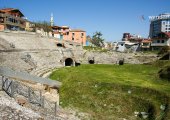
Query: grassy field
pixel 110 92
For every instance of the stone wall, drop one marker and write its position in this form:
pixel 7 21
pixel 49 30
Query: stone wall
pixel 32 52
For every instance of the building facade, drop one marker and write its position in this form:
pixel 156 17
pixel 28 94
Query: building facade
pixel 60 32
pixel 29 26
pixel 65 33
pixel 159 24
pixel 146 44
pixel 160 40
pixel 78 36
pixel 11 19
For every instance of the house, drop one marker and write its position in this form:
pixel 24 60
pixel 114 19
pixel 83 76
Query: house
pixel 120 47
pixel 126 46
pixel 160 40
pixel 65 33
pixel 60 32
pixel 145 44
pixel 11 19
pixel 77 35
pixel 29 26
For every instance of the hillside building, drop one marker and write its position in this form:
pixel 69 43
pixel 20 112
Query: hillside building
pixel 65 33
pixel 11 19
pixel 160 40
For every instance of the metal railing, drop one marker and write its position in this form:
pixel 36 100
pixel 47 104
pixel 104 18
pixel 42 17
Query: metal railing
pixel 35 97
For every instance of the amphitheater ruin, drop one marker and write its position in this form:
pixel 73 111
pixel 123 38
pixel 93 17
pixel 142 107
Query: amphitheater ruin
pixel 35 57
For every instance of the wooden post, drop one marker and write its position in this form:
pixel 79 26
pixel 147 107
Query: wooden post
pixel 56 107
pixel 41 99
pixel 12 88
pixel 29 94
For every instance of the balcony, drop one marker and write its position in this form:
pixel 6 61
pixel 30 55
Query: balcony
pixel 159 44
pixel 15 24
pixel 145 46
pixel 7 16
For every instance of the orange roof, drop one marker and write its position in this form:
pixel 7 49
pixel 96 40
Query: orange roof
pixel 146 41
pixel 5 10
pixel 77 30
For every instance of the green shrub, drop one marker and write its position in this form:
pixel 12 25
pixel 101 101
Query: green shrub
pixel 164 73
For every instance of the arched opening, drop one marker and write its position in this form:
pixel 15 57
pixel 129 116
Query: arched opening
pixel 59 45
pixel 121 62
pixel 91 61
pixel 68 62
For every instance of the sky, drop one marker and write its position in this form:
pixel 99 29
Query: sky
pixel 111 17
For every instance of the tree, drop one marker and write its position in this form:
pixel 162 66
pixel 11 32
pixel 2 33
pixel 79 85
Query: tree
pixel 44 25
pixel 97 39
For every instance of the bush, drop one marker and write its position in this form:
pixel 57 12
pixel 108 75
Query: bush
pixel 164 50
pixel 165 73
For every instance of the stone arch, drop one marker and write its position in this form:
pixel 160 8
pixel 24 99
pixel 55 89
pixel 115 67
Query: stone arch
pixel 91 62
pixel 69 62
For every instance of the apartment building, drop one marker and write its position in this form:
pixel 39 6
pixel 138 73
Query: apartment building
pixel 158 24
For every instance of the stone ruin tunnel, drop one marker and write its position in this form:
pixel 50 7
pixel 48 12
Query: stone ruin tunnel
pixel 69 62
pixel 91 60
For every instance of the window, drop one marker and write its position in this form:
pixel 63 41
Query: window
pixel 82 34
pixel 73 34
pixel 158 41
pixel 163 41
pixel 72 38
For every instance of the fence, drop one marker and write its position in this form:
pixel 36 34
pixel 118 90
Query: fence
pixel 13 88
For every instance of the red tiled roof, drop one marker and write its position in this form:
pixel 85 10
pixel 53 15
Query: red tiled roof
pixel 7 9
pixel 146 41
pixel 168 34
pixel 11 9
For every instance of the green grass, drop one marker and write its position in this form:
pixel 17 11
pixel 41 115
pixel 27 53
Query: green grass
pixel 90 48
pixel 102 90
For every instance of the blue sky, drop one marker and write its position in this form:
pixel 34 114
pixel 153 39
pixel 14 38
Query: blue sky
pixel 111 17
